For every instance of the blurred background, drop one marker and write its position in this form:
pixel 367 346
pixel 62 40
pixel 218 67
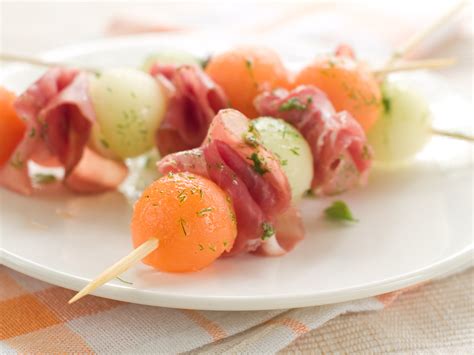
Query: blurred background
pixel 373 28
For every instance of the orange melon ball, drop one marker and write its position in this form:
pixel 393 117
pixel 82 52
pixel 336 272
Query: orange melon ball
pixel 192 218
pixel 12 128
pixel 350 86
pixel 245 72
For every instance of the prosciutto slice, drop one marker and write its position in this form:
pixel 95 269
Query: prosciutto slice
pixel 341 155
pixel 195 100
pixel 59 116
pixel 251 176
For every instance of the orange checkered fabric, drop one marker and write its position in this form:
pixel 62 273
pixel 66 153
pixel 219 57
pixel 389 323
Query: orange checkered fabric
pixel 36 318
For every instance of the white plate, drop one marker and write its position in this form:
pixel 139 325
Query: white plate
pixel 415 222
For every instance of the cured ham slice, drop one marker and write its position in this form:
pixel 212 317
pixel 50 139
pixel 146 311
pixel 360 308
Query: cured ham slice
pixel 341 156
pixel 95 174
pixel 195 100
pixel 251 176
pixel 59 115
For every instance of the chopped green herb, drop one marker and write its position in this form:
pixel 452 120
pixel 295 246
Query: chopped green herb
pixel 132 94
pixel 109 89
pixel 292 104
pixel 204 212
pixel 295 150
pixel 226 243
pixel 32 133
pixel 339 211
pixel 386 104
pixel 248 63
pixel 44 178
pixel 283 162
pixel 182 222
pixel 170 175
pixel 182 196
pixel 104 143
pixel 268 230
pixel 212 247
pixel 201 247
pixel 258 165
pixel 309 193
pixel 125 282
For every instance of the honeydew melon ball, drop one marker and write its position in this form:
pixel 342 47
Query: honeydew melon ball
pixel 290 147
pixel 129 106
pixel 403 128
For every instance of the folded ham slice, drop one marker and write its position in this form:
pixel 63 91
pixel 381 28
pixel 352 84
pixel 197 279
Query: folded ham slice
pixel 195 100
pixel 59 115
pixel 341 155
pixel 251 176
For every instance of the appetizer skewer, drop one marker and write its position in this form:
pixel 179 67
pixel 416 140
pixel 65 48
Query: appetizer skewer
pixel 182 223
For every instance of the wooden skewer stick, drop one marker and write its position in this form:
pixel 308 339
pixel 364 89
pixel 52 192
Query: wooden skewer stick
pixel 433 63
pixel 35 61
pixel 118 268
pixel 419 36
pixel 453 135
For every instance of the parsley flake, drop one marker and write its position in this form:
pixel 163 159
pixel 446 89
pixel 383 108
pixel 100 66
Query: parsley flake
pixel 386 104
pixel 44 178
pixel 292 104
pixel 204 212
pixel 339 211
pixel 268 230
pixel 182 222
pixel 258 165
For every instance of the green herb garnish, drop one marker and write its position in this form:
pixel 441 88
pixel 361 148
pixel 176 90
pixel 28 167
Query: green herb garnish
pixel 125 282
pixel 44 178
pixel 292 104
pixel 339 211
pixel 268 230
pixel 386 104
pixel 182 222
pixel 258 165
pixel 295 150
pixel 204 212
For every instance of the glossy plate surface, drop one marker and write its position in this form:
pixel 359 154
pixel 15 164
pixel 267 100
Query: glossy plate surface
pixel 415 222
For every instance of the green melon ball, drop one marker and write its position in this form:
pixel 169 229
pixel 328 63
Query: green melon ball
pixel 170 57
pixel 285 142
pixel 403 128
pixel 129 106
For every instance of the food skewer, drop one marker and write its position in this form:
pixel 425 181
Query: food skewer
pixel 39 62
pixel 421 35
pixel 193 219
pixel 432 63
pixel 118 268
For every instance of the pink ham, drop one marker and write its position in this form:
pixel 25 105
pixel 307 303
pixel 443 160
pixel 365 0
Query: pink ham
pixel 341 155
pixel 259 198
pixel 195 100
pixel 59 115
pixel 95 174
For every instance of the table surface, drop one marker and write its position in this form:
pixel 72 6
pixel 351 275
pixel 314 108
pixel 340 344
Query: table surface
pixel 439 315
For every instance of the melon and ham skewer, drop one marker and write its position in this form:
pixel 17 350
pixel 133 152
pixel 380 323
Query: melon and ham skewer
pixel 228 196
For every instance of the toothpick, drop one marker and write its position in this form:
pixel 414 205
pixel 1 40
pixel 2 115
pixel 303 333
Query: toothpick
pixel 453 135
pixel 35 61
pixel 118 268
pixel 419 36
pixel 434 63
